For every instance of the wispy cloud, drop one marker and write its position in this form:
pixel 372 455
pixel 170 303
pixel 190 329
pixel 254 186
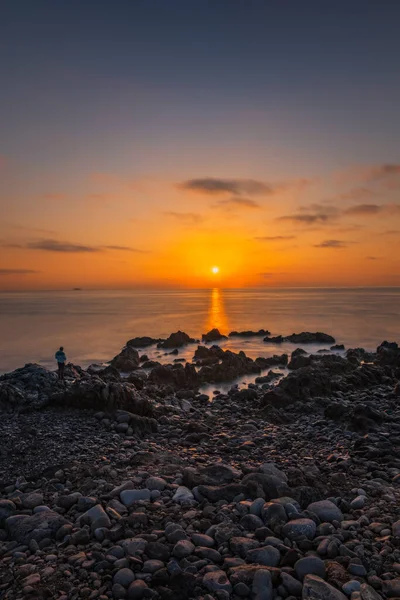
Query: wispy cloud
pixel 50 245
pixel 364 209
pixel 237 202
pixel 383 171
pixel 333 244
pixel 275 238
pixel 391 232
pixel 237 187
pixel 17 271
pixel 56 246
pixel 185 217
pixel 312 214
pixel 124 249
pixel 372 257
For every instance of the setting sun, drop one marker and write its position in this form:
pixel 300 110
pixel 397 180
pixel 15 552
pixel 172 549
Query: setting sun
pixel 215 270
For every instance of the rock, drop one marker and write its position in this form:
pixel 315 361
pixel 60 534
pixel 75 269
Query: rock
pixel 260 332
pixel 273 487
pixel 222 492
pixel 156 483
pixel 268 556
pixel 216 580
pixel 213 336
pixel 309 565
pixel 7 508
pixel 315 588
pixel 292 585
pixel 391 588
pixel 127 360
pixel 129 497
pixel 96 517
pixel 124 577
pixel 271 469
pixel 395 529
pixel 143 342
pixel 368 592
pixel 158 551
pixel 183 548
pixel 298 528
pixel 326 511
pixel 183 495
pixel 39 526
pixel 351 586
pixel 32 500
pixel 262 586
pixel 242 545
pixel 137 590
pixel 218 473
pixel 177 340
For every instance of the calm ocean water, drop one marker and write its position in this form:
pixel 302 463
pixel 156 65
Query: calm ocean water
pixel 94 325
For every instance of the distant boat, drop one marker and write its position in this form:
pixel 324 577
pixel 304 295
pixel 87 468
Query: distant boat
pixel 76 289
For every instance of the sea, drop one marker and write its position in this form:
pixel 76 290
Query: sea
pixel 93 326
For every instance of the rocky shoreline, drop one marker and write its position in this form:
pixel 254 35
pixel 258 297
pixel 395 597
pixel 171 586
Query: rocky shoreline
pixel 127 481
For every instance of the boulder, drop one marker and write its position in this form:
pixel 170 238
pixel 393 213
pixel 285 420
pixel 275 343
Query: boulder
pixel 176 340
pixel 315 588
pixel 326 511
pixel 127 360
pixel 213 336
pixel 23 528
pixel 260 332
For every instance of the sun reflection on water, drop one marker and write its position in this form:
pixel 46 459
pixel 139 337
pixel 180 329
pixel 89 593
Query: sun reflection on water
pixel 217 317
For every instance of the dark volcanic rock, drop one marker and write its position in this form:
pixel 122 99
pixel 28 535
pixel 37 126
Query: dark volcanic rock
pixel 272 361
pixel 305 337
pixel 388 353
pixel 96 394
pixel 176 375
pixel 232 365
pixel 213 336
pixel 260 332
pixel 127 360
pixel 143 342
pixel 176 340
pixel 24 528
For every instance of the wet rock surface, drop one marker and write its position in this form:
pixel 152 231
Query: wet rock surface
pixel 144 487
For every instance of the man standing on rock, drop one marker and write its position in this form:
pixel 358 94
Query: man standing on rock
pixel 61 360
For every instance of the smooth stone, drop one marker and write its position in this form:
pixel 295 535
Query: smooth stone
pixel 267 556
pixel 262 585
pixel 183 495
pixel 124 577
pixel 310 565
pixel 156 483
pixel 315 588
pixel 183 548
pixel 129 497
pixel 326 511
pixel 351 586
pixel 357 503
pixel 298 528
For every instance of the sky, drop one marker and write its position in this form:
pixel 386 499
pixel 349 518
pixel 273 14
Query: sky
pixel 144 143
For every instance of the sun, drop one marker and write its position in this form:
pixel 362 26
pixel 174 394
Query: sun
pixel 215 270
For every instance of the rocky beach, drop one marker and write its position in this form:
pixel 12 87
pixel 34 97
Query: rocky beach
pixel 129 481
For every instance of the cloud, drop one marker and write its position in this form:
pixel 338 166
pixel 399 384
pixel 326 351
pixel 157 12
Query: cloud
pixel 238 202
pixel 333 244
pixel 364 209
pixel 56 246
pixel 17 271
pixel 312 214
pixel 306 219
pixel 187 217
pixel 237 187
pixel 124 249
pixel 382 172
pixel 391 232
pixel 372 257
pixel 275 238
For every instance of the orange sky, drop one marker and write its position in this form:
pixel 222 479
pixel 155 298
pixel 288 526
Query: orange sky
pixel 106 231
